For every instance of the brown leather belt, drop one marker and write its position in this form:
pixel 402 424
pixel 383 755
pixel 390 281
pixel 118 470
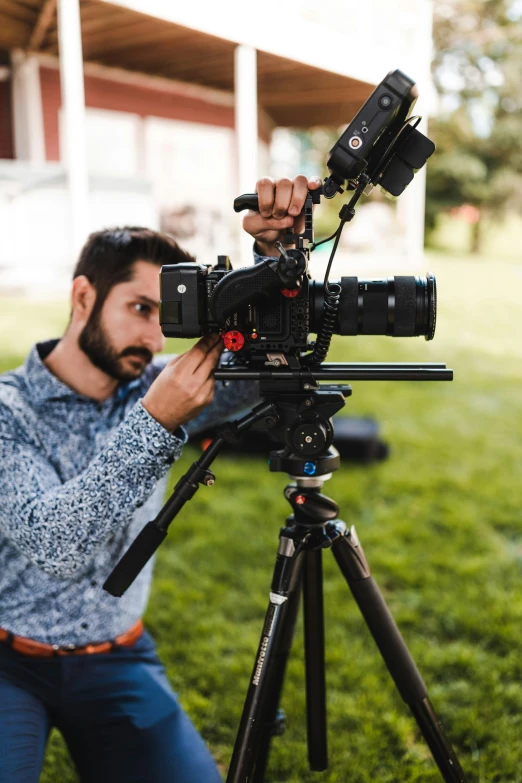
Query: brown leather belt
pixel 40 650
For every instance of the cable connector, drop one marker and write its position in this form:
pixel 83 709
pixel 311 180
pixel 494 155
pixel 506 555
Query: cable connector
pixel 347 213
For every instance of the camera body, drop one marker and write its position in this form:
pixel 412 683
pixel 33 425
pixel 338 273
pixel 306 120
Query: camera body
pixel 196 299
pixel 186 290
pixel 274 325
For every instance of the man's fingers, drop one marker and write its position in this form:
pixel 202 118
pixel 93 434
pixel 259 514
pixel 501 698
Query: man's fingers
pixel 175 360
pixel 283 196
pixel 254 223
pixel 299 193
pixel 314 183
pixel 266 193
pixel 194 357
pixel 207 391
pixel 209 363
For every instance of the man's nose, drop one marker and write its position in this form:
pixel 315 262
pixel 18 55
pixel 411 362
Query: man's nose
pixel 154 339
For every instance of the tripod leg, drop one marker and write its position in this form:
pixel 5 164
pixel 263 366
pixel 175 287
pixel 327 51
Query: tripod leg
pixel 274 723
pixel 271 652
pixel 355 569
pixel 314 659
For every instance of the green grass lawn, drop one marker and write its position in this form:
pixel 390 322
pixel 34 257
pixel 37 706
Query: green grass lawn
pixel 440 521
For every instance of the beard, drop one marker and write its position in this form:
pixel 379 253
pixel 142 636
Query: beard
pixel 96 344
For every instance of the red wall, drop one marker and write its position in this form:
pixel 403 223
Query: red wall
pixel 102 93
pixel 6 121
pixel 51 102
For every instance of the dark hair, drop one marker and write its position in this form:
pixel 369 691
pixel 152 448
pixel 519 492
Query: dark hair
pixel 108 256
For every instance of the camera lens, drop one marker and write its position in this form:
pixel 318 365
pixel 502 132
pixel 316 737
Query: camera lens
pixel 400 306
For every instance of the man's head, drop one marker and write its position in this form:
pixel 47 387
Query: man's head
pixel 115 298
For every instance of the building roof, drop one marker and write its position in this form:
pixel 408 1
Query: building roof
pixel 291 92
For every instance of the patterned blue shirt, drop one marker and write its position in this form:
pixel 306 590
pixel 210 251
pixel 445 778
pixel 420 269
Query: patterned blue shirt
pixel 78 481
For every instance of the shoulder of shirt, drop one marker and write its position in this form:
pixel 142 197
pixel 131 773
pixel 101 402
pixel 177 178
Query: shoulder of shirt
pixel 12 385
pixel 13 396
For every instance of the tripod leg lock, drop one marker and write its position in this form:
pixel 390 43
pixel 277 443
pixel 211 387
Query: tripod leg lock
pixel 277 599
pixel 350 556
pixel 286 546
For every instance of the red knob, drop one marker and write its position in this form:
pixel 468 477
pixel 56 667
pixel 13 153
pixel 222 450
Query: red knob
pixel 234 341
pixel 290 292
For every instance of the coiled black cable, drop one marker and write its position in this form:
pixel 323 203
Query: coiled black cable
pixel 332 301
pixel 332 293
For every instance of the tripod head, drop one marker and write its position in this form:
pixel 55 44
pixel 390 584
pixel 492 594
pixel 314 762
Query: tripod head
pixel 305 430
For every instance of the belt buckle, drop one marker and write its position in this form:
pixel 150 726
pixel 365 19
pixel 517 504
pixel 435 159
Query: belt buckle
pixel 65 648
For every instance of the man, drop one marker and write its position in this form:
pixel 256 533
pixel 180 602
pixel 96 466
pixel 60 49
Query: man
pixel 89 427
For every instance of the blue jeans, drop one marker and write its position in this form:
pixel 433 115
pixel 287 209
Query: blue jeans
pixel 117 713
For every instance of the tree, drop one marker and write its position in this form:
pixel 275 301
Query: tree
pixel 477 71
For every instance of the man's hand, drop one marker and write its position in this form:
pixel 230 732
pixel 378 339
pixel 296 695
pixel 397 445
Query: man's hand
pixel 281 205
pixel 185 385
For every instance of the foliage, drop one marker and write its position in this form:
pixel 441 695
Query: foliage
pixel 476 70
pixel 440 522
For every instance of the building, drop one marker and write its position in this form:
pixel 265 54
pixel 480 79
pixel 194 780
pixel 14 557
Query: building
pixel 156 113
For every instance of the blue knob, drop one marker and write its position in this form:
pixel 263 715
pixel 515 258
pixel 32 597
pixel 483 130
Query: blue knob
pixel 310 468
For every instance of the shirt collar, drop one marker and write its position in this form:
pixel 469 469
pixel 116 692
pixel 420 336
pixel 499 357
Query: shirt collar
pixel 43 385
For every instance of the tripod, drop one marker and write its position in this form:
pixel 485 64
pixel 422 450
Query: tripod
pixel 300 412
pixel 312 527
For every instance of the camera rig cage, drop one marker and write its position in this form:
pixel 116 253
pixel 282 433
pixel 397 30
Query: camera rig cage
pixel 266 312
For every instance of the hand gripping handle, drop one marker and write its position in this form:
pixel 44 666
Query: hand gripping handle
pixel 135 558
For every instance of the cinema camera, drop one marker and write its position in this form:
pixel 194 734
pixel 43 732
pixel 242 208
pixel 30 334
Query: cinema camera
pixel 266 314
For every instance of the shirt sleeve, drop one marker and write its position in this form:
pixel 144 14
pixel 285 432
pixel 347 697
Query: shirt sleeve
pixel 258 257
pixel 59 525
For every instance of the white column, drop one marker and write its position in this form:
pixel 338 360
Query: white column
pixel 245 81
pixel 29 139
pixel 411 204
pixel 73 108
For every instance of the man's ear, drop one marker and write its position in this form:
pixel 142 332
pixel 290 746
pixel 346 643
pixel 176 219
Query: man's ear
pixel 83 297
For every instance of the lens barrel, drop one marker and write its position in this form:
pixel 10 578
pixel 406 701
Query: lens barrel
pixel 400 306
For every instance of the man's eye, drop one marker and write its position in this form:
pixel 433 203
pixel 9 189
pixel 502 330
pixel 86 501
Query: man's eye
pixel 141 308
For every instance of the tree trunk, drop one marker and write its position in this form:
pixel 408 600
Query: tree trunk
pixel 476 236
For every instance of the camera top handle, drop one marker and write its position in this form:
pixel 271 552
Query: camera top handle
pixel 304 244
pixel 304 240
